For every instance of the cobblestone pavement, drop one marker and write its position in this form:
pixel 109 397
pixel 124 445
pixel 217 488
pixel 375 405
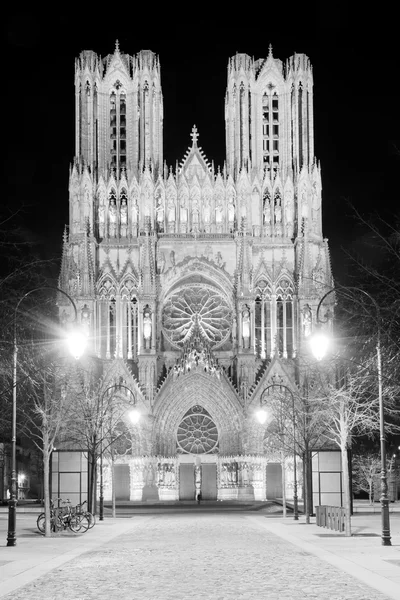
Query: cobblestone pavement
pixel 197 557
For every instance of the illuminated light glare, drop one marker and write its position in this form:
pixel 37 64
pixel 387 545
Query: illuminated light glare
pixel 76 342
pixel 319 343
pixel 134 416
pixel 261 415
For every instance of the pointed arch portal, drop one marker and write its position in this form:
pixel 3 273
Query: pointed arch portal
pixel 216 401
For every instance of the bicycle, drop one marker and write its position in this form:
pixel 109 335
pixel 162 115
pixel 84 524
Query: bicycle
pixel 86 513
pixel 62 517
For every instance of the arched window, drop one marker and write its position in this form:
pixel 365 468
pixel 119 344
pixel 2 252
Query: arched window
pixel 118 126
pixel 300 123
pixel 270 127
pixel 284 318
pixel 129 324
pixel 106 319
pixel 274 317
pixel 122 130
pixel 263 311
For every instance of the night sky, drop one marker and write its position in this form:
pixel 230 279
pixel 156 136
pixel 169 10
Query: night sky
pixel 356 98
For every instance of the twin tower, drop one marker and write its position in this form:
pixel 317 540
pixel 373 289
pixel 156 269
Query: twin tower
pixel 229 261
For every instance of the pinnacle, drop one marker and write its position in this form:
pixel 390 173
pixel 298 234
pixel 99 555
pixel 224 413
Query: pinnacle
pixel 194 135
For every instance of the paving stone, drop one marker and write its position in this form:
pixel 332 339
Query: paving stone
pixel 197 557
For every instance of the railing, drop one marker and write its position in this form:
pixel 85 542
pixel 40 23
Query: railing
pixel 332 517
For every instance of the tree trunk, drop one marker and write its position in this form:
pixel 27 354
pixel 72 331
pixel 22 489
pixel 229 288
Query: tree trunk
pixel 307 485
pixel 46 485
pixel 92 483
pixel 283 465
pixel 114 511
pixel 346 490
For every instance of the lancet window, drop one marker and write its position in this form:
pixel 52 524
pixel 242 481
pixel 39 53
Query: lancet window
pixel 300 124
pixel 274 318
pixel 118 127
pixel 263 320
pixel 270 124
pixel 107 321
pixel 284 318
pixel 129 310
pixel 118 322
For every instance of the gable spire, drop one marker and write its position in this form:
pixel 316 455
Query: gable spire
pixel 194 135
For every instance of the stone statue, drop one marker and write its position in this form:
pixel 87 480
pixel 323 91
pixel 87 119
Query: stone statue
pixel 160 214
pixel 219 260
pixel 246 327
pixel 150 475
pixel 289 213
pixel 267 212
pixel 160 474
pixel 306 320
pixel 206 210
pixel 102 211
pixel 171 209
pixel 113 217
pixel 231 209
pixel 245 474
pixel 172 258
pixel 278 210
pixel 147 328
pixel 183 212
pixel 224 475
pixel 161 262
pixel 218 210
pixel 124 217
pixel 197 479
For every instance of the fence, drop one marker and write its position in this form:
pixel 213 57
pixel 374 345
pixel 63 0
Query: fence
pixel 332 517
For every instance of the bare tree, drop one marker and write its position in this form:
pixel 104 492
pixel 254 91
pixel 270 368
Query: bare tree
pixel 366 468
pixel 96 409
pixel 350 408
pixel 43 415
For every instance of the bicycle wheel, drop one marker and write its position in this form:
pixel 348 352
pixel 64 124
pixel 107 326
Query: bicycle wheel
pixel 40 523
pixel 56 523
pixel 92 519
pixel 79 523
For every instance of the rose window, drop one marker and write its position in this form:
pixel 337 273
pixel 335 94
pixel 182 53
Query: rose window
pixel 197 305
pixel 197 433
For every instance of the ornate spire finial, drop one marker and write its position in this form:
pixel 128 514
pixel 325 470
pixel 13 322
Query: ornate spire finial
pixel 194 135
pixel 270 51
pixel 116 46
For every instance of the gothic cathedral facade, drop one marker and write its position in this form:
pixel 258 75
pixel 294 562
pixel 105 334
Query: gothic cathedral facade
pixel 197 284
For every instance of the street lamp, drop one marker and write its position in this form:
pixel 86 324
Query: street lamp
pixel 262 417
pixel 134 416
pixel 12 505
pixel 319 346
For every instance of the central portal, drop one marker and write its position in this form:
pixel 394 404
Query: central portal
pixel 187 481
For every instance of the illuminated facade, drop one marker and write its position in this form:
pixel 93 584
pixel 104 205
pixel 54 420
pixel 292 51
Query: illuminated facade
pixel 197 284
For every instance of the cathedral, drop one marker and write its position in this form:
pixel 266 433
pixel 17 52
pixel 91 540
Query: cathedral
pixel 196 283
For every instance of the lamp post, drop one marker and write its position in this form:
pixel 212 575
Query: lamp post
pixel 261 415
pixel 319 348
pixel 134 416
pixel 74 348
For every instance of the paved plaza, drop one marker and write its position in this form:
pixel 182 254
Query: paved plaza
pixel 192 555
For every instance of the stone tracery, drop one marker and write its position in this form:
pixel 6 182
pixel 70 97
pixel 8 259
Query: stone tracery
pixel 197 305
